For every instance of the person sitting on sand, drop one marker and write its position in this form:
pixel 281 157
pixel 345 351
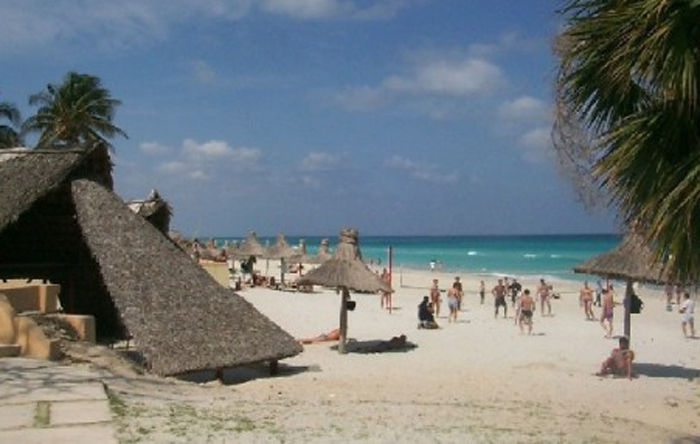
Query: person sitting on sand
pixel 452 304
pixel 499 293
pixel 586 301
pixel 608 303
pixel 527 307
pixel 332 335
pixel 425 315
pixel 435 297
pixel 620 361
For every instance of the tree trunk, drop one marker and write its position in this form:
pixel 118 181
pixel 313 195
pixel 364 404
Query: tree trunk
pixel 345 297
pixel 628 307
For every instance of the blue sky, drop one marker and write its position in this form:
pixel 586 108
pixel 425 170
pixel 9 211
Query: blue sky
pixel 304 116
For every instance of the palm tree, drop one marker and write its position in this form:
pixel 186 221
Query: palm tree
pixel 9 134
pixel 78 111
pixel 628 104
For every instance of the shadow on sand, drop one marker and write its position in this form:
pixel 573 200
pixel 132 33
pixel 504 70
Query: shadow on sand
pixel 239 375
pixel 376 346
pixel 665 371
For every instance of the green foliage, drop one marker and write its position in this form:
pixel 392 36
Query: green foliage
pixel 9 133
pixel 629 77
pixel 78 111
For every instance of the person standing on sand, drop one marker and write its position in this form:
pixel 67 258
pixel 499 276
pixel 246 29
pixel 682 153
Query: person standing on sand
pixel 385 295
pixel 688 311
pixel 499 293
pixel 435 297
pixel 526 307
pixel 482 291
pixel 452 304
pixel 586 300
pixel 514 289
pixel 608 303
pixel 598 292
pixel 544 291
pixel 457 285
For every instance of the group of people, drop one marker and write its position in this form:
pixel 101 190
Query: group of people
pixel 605 299
pixel 431 304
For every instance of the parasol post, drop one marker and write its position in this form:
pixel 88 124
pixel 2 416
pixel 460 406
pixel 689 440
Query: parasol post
pixel 345 296
pixel 628 307
pixel 391 265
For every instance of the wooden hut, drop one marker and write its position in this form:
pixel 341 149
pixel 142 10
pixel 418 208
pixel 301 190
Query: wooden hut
pixel 59 220
pixel 154 209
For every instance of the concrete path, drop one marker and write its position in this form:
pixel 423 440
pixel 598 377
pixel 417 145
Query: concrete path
pixel 44 402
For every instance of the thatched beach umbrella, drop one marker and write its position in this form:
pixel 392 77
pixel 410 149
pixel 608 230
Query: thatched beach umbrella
pixel 283 251
pixel 322 255
pixel 631 261
pixel 346 271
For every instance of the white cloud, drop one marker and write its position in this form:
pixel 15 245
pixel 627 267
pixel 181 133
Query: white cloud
pixel 220 149
pixel 204 72
pixel 449 77
pixel 537 144
pixel 124 23
pixel 421 171
pixel 319 161
pixel 525 109
pixel 154 148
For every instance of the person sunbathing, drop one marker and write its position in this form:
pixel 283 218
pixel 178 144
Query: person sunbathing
pixel 332 335
pixel 620 361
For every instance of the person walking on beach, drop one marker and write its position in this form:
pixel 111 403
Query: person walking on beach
pixel 544 291
pixel 688 311
pixel 457 285
pixel 526 307
pixel 586 301
pixel 499 293
pixel 598 292
pixel 452 304
pixel 514 289
pixel 435 297
pixel 608 303
pixel 385 301
pixel 482 291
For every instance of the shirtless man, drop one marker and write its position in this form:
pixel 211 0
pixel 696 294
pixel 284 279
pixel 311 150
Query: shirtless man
pixel 544 292
pixel 435 297
pixel 608 303
pixel 586 300
pixel 385 297
pixel 457 285
pixel 452 304
pixel 526 306
pixel 499 293
pixel 620 361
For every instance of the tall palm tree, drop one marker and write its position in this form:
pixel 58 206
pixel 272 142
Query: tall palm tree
pixel 628 88
pixel 9 133
pixel 77 111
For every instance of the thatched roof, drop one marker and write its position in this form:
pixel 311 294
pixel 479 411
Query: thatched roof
pixel 181 319
pixel 281 249
pixel 30 175
pixel 250 246
pixel 154 209
pixel 346 269
pixel 631 260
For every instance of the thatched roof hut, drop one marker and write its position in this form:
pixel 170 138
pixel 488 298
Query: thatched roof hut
pixel 281 249
pixel 154 209
pixel 250 246
pixel 631 260
pixel 346 271
pixel 115 265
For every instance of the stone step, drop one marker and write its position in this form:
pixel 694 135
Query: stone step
pixel 9 350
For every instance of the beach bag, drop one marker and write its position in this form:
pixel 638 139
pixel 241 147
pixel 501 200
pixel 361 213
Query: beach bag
pixel 636 304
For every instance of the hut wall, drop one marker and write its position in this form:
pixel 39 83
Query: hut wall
pixel 45 243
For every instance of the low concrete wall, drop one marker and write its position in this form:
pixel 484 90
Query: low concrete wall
pixel 33 342
pixel 31 297
pixel 218 270
pixel 84 325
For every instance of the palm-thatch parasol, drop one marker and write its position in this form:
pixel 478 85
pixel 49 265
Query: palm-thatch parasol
pixel 631 261
pixel 283 251
pixel 322 255
pixel 346 271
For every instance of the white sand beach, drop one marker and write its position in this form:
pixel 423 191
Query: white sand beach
pixel 477 380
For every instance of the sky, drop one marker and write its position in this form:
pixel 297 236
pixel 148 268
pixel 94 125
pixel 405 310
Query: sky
pixel 401 117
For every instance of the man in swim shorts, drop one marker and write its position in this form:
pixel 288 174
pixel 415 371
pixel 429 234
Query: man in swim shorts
pixel 435 297
pixel 452 304
pixel 527 307
pixel 544 291
pixel 499 293
pixel 607 314
pixel 586 301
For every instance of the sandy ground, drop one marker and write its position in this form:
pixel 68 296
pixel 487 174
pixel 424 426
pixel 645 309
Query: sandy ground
pixel 477 380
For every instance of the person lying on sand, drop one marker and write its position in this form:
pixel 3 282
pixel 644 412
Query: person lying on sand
pixel 620 361
pixel 332 335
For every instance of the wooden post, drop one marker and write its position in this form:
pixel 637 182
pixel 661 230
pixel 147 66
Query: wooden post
pixel 628 307
pixel 391 275
pixel 345 296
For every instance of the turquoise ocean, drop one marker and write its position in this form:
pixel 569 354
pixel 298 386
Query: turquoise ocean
pixel 552 256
